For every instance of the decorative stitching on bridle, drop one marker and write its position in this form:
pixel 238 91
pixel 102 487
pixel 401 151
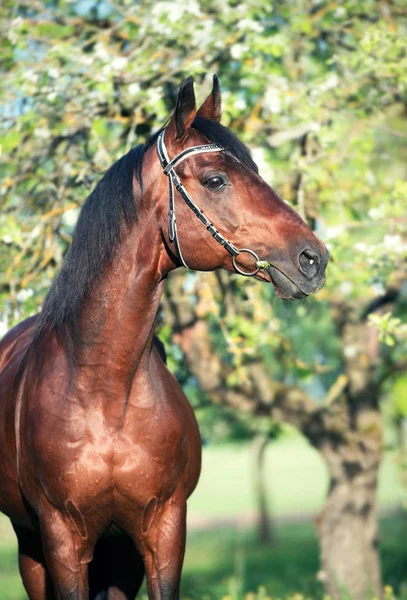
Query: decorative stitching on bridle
pixel 174 181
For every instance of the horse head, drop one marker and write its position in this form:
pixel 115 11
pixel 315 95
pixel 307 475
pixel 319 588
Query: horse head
pixel 212 174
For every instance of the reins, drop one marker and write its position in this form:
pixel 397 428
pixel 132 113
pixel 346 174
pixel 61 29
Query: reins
pixel 174 181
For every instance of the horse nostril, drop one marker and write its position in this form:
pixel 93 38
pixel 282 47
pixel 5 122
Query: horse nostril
pixel 309 263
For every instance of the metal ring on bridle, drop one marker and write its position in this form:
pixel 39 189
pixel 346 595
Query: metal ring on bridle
pixel 239 270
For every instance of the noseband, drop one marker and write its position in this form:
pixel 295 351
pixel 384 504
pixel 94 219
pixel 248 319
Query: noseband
pixel 173 179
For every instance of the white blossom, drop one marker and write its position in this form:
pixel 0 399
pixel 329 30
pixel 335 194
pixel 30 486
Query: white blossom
pixel 118 63
pixel 237 51
pixel 3 328
pixel 333 232
pixel 340 12
pixel 272 100
pixel 394 243
pixel 378 289
pixel 154 95
pixel 133 89
pixel 250 25
pixel 14 29
pixel 67 168
pixel 70 217
pixel 54 72
pixel 101 52
pixel 35 232
pixel 377 212
pixel 371 177
pixel 346 287
pixel 350 351
pixel 24 294
pixel 31 76
pixel 362 247
pixel 203 33
pixel 42 133
pixel 330 82
pixel 264 166
pixel 86 59
pixel 240 103
pixel 176 11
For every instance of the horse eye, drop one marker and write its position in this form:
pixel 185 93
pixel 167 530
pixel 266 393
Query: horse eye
pixel 216 182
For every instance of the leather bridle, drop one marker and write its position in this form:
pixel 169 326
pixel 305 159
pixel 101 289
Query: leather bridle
pixel 174 181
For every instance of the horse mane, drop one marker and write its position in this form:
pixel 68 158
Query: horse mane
pixel 110 209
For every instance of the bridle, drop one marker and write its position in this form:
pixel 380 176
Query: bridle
pixel 173 179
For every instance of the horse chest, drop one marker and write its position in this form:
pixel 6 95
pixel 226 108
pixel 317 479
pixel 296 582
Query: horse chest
pixel 110 455
pixel 151 455
pixel 145 457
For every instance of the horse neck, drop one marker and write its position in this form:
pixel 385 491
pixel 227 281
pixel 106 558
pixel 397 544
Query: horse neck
pixel 116 325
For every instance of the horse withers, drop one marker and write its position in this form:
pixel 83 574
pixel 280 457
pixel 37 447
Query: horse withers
pixel 99 447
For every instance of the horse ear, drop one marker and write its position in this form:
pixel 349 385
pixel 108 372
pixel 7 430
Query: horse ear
pixel 185 110
pixel 212 107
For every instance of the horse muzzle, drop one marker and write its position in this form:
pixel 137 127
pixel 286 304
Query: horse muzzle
pixel 306 276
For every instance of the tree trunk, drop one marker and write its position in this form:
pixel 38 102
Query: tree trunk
pixel 265 525
pixel 347 527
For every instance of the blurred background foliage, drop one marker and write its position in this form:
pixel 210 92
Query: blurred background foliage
pixel 317 89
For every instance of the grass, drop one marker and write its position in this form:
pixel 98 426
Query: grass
pixel 232 562
pixel 227 560
pixel 296 478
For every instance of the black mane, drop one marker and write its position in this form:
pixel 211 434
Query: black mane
pixel 109 209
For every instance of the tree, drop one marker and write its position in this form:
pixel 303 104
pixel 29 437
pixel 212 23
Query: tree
pixel 318 90
pixel 345 426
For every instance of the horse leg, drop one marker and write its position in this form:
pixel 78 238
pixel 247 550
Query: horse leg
pixel 32 565
pixel 67 553
pixel 116 571
pixel 162 544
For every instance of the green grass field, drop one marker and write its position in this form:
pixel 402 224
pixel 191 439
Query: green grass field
pixel 223 557
pixel 296 478
pixel 231 562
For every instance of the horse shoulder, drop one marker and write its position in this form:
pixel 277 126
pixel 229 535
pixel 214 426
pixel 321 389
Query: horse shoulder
pixel 12 352
pixel 177 399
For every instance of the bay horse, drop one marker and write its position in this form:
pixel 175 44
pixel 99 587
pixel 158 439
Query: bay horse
pixel 99 447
